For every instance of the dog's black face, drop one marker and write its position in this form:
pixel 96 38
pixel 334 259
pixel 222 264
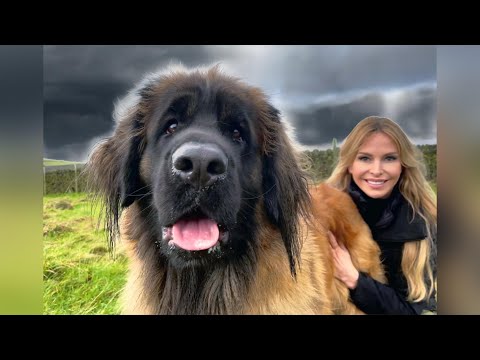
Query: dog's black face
pixel 204 174
pixel 205 161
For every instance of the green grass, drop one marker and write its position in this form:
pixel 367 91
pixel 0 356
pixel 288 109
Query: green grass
pixel 79 274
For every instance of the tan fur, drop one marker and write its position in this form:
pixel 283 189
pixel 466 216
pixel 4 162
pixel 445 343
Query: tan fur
pixel 274 291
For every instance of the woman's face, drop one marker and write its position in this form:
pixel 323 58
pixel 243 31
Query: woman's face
pixel 377 167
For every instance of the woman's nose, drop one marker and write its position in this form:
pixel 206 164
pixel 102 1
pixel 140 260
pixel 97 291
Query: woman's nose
pixel 376 168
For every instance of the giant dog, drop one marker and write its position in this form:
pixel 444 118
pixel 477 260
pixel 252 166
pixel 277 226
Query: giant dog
pixel 207 193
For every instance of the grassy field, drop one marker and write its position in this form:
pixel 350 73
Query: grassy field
pixel 79 274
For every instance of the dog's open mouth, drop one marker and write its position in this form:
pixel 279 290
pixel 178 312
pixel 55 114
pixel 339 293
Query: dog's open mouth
pixel 195 233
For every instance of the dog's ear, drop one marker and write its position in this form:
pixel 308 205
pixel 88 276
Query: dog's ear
pixel 285 185
pixel 113 171
pixel 130 182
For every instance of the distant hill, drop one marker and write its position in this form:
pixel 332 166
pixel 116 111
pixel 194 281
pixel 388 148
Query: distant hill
pixel 53 162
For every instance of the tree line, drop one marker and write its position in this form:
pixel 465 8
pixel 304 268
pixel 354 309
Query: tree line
pixel 324 161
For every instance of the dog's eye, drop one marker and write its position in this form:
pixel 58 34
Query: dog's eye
pixel 171 127
pixel 237 136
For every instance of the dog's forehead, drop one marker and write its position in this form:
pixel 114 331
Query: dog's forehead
pixel 224 96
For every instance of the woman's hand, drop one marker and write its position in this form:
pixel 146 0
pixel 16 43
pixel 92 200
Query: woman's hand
pixel 345 271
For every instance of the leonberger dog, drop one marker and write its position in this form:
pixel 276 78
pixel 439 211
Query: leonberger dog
pixel 206 190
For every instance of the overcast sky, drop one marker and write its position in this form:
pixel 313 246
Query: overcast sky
pixel 323 91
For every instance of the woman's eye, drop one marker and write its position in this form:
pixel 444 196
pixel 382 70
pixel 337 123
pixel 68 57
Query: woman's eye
pixel 363 158
pixel 237 136
pixel 171 127
pixel 390 158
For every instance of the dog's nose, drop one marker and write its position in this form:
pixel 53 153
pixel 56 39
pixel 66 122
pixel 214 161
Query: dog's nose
pixel 199 164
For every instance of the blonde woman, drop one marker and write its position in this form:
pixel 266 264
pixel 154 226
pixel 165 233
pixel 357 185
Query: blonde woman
pixel 382 171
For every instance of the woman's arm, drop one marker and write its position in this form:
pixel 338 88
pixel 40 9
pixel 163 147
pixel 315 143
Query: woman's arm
pixel 373 297
pixel 369 295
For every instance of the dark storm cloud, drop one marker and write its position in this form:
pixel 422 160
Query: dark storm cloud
pixel 413 109
pixel 83 82
pixel 103 63
pixel 77 112
pixel 417 113
pixel 334 69
pixel 320 124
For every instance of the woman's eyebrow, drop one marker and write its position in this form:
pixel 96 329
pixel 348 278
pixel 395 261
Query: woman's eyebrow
pixel 387 154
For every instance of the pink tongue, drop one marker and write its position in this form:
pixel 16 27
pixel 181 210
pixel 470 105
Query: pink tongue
pixel 195 234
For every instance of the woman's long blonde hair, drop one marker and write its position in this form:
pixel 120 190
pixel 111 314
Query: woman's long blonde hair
pixel 414 188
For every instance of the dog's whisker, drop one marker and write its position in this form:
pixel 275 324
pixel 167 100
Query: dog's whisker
pixel 145 195
pixel 261 195
pixel 143 187
pixel 252 198
pixel 146 208
pixel 247 154
pixel 249 206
